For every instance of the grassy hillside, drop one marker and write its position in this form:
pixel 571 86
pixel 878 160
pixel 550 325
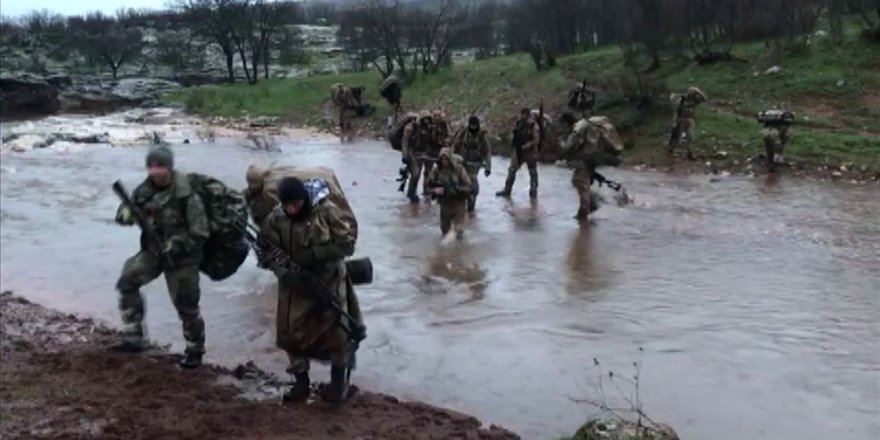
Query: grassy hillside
pixel 834 91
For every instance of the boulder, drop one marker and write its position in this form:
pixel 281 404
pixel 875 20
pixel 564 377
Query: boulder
pixel 25 95
pixel 623 430
pixel 95 96
pixel 26 142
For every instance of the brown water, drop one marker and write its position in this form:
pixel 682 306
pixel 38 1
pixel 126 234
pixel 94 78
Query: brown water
pixel 757 303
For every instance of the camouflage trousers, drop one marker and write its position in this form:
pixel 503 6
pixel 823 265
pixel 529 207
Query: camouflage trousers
pixel 473 170
pixel 581 180
pixel 183 287
pixel 684 129
pixel 418 167
pixel 452 214
pixel 531 161
pixel 775 139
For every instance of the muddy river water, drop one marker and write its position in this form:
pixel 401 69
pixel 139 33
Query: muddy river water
pixel 757 303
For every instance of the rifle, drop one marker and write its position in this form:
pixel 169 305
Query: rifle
pixel 674 134
pixel 139 217
pixel 541 124
pixel 403 177
pixel 601 179
pixel 275 257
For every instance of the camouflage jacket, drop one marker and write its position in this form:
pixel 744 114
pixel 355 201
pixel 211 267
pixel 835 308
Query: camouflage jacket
pixel 454 179
pixel 320 242
pixel 688 104
pixel 176 213
pixel 474 148
pixel 528 132
pixel 417 140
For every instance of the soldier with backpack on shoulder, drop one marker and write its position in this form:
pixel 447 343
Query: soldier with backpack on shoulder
pixel 185 222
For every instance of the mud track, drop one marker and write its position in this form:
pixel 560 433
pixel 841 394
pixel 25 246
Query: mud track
pixel 58 380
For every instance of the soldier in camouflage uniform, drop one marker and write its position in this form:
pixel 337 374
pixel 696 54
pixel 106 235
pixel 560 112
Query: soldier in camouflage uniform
pixel 587 149
pixel 776 134
pixel 178 217
pixel 472 144
pixel 526 140
pixel 685 125
pixel 450 185
pixel 313 231
pixel 346 100
pixel 418 138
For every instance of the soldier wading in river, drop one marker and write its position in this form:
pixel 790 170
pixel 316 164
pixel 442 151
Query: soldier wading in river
pixel 178 216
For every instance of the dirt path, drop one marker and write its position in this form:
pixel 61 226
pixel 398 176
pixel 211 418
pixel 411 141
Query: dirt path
pixel 59 381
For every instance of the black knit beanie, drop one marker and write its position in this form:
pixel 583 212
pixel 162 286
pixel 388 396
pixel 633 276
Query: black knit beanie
pixel 162 156
pixel 291 189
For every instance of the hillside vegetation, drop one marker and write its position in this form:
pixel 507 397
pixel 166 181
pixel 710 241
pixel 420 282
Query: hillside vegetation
pixel 834 91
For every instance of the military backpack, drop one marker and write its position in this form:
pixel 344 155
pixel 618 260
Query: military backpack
pixel 226 248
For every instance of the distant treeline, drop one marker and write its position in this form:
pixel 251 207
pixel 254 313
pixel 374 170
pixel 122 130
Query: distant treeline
pixel 412 38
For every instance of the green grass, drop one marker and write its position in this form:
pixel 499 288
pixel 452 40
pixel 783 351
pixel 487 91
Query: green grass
pixel 828 87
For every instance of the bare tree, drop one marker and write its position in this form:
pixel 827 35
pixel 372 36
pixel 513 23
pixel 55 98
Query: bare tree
pixel 102 40
pixel 430 32
pixel 179 49
pixel 44 26
pixel 215 20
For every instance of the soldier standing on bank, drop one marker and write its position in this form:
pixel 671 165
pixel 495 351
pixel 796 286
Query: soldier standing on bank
pixel 684 125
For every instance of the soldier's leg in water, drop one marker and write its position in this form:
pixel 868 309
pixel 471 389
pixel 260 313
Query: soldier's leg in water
pixel 533 176
pixel 580 180
pixel 445 217
pixel 515 164
pixel 674 137
pixel 689 130
pixel 299 368
pixel 415 173
pixel 138 271
pixel 474 173
pixel 459 208
pixel 769 151
pixel 427 166
pixel 183 287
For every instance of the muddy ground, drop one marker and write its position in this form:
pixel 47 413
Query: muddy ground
pixel 58 380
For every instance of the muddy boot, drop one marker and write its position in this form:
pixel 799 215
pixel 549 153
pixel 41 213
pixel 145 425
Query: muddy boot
pixel 337 392
pixel 413 199
pixel 300 390
pixel 533 193
pixel 128 346
pixel 191 360
pixel 582 215
pixel 503 193
pixel 472 203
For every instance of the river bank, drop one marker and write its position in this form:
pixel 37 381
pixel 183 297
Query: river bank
pixel 59 380
pixel 830 88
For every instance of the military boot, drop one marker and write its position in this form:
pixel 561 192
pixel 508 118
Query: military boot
pixel 128 346
pixel 191 360
pixel 533 193
pixel 582 215
pixel 337 392
pixel 300 390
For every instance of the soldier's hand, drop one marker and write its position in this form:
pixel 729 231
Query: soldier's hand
pixel 487 172
pixel 174 247
pixel 124 216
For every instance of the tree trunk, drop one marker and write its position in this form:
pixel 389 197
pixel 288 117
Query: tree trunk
pixel 229 68
pixel 266 62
